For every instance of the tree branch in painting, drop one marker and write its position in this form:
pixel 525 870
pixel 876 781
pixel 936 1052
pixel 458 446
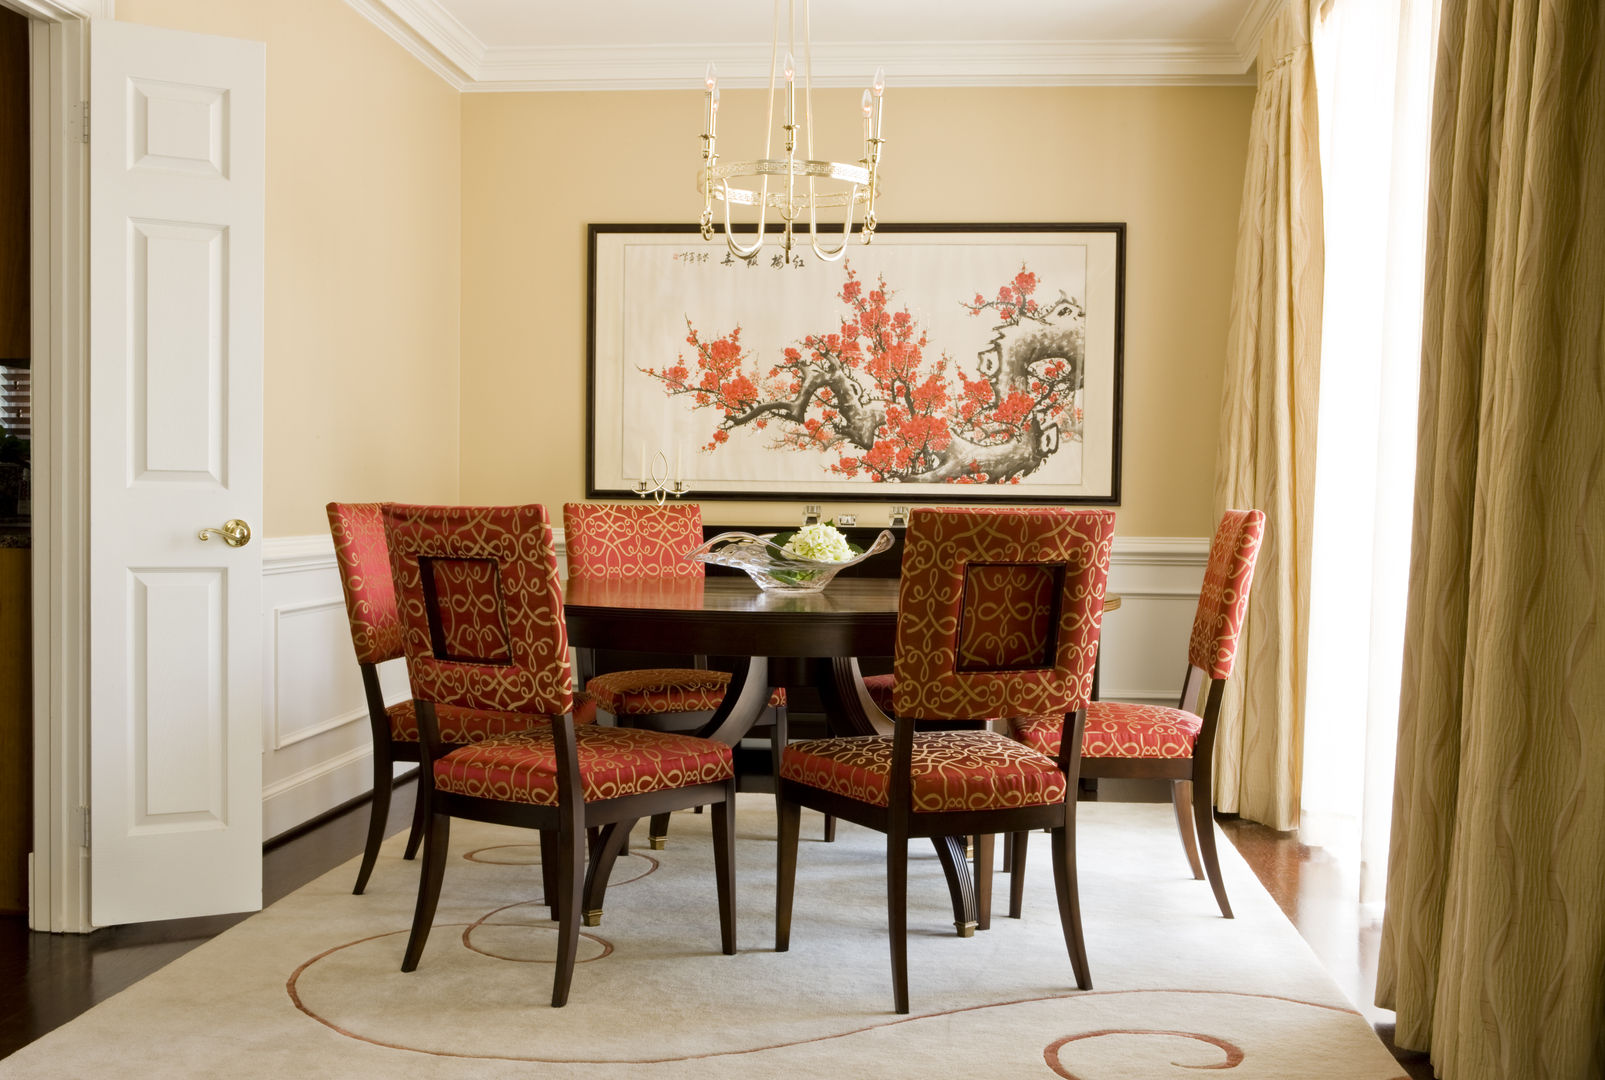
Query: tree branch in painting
pixel 867 395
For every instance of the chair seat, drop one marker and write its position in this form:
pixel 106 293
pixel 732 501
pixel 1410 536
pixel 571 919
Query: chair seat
pixel 658 691
pixel 460 725
pixel 522 767
pixel 952 770
pixel 880 691
pixel 1118 729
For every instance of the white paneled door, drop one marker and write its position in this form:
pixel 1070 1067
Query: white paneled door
pixel 176 153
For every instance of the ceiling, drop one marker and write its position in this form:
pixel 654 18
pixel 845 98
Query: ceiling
pixel 489 45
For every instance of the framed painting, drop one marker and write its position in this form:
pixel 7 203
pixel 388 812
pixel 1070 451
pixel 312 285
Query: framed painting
pixel 940 363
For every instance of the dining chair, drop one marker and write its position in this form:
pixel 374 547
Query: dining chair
pixel 648 540
pixel 998 615
pixel 364 564
pixel 1136 741
pixel 482 618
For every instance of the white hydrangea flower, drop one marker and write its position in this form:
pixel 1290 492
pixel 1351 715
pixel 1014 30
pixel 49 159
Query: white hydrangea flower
pixel 824 543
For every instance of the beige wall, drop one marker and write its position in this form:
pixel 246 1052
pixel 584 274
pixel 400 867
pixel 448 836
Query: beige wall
pixel 538 167
pixel 363 272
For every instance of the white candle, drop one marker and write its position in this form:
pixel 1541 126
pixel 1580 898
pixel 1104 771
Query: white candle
pixel 643 463
pixel 679 473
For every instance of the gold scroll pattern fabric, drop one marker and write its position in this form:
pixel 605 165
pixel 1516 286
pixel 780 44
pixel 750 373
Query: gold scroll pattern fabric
pixel 1493 945
pixel 1266 457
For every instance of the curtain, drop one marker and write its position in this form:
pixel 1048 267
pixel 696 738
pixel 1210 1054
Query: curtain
pixel 1493 945
pixel 1373 70
pixel 1267 453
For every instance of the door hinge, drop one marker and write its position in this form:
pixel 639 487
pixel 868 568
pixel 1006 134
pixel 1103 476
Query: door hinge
pixel 83 813
pixel 83 131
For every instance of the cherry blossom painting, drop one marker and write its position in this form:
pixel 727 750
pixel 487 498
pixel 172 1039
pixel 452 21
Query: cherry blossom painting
pixel 939 363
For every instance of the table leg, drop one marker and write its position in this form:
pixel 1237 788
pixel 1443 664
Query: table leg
pixel 960 883
pixel 744 701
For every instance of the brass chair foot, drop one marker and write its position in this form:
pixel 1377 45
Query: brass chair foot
pixel 657 843
pixel 966 929
pixel 592 918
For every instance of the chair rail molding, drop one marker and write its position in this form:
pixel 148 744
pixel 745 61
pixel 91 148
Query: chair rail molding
pixel 440 41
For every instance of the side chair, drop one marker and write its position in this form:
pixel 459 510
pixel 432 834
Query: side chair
pixel 1154 742
pixel 482 616
pixel 998 616
pixel 648 540
pixel 364 564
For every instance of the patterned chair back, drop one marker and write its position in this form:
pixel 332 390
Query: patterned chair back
pixel 364 561
pixel 632 540
pixel 481 608
pixel 1223 603
pixel 998 611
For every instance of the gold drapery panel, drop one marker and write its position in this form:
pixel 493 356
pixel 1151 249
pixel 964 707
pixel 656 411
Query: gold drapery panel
pixel 1493 946
pixel 1267 452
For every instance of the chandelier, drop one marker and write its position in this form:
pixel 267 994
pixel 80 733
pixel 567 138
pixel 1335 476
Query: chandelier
pixel 788 185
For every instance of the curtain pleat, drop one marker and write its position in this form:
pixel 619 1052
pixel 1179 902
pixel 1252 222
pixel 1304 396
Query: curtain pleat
pixel 1267 453
pixel 1493 945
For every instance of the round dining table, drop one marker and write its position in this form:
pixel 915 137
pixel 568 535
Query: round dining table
pixel 790 640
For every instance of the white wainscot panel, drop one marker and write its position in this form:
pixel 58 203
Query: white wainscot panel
pixel 1144 648
pixel 316 739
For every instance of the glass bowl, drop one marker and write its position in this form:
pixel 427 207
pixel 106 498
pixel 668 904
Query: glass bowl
pixel 772 567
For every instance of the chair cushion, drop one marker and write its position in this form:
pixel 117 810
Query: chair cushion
pixel 459 725
pixel 657 691
pixel 952 770
pixel 522 767
pixel 880 691
pixel 1118 729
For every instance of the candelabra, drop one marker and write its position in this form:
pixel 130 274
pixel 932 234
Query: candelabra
pixel 862 178
pixel 656 483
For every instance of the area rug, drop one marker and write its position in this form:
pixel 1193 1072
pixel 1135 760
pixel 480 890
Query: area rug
pixel 311 987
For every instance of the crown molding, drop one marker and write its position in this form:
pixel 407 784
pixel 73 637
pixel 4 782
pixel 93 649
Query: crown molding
pixel 432 34
pixel 59 10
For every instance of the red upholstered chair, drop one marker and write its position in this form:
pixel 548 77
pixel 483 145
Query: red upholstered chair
pixel 647 540
pixel 1155 742
pixel 998 615
pixel 482 616
pixel 364 564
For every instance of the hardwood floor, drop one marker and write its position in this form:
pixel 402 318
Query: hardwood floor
pixel 47 979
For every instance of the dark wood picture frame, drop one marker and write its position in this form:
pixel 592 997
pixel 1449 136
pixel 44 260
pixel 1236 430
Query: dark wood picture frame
pixel 1097 372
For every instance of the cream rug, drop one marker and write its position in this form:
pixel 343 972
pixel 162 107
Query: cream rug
pixel 311 987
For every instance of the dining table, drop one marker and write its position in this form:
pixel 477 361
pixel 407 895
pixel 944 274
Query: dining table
pixel 779 639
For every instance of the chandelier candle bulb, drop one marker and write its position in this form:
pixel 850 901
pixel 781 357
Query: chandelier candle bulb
pixel 868 108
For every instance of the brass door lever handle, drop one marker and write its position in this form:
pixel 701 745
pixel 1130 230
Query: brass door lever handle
pixel 235 533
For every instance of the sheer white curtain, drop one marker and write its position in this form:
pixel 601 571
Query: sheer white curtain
pixel 1374 61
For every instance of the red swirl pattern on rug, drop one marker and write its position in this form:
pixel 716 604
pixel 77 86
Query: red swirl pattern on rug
pixel 1118 729
pixel 1223 602
pixel 624 540
pixel 1233 1055
pixel 522 768
pixel 952 770
pixel 518 540
pixel 937 611
pixel 363 557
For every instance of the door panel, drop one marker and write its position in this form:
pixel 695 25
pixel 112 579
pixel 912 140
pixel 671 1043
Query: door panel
pixel 176 193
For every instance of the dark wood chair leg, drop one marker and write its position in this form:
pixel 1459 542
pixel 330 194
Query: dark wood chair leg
pixel 1017 846
pixel 1008 853
pixel 985 848
pixel 604 853
pixel 790 826
pixel 571 843
pixel 658 832
pixel 830 828
pixel 378 812
pixel 897 915
pixel 1204 819
pixel 724 866
pixel 429 878
pixel 1064 881
pixel 1181 796
pixel 420 821
pixel 549 871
